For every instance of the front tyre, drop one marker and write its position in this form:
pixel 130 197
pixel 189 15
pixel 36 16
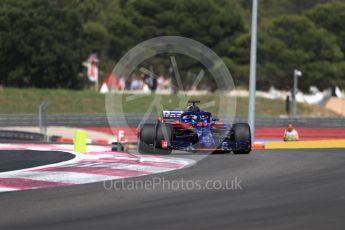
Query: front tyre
pixel 146 137
pixel 242 137
pixel 164 132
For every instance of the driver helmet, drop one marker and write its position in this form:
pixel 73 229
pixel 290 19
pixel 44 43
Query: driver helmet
pixel 193 108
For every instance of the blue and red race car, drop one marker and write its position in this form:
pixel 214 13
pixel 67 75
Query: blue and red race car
pixel 192 130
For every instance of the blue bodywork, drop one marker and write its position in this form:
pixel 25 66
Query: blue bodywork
pixel 201 127
pixel 201 122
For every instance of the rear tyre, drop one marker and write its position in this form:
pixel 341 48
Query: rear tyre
pixel 242 136
pixel 164 131
pixel 146 137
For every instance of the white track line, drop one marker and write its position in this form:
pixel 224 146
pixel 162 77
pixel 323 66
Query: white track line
pixel 4 189
pixel 63 177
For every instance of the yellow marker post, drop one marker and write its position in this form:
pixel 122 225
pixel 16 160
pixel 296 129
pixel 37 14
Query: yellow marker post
pixel 80 141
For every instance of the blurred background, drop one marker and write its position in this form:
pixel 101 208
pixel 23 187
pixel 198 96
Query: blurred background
pixel 57 56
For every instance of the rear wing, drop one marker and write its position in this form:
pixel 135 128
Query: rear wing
pixel 171 114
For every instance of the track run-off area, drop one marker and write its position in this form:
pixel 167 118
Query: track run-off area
pixel 32 166
pixel 273 189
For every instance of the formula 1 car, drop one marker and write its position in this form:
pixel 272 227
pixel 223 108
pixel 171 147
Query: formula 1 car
pixel 192 130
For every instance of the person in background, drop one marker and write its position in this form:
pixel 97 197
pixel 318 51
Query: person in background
pixel 290 133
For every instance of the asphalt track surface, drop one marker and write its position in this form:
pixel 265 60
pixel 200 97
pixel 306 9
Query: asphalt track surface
pixel 281 189
pixel 21 159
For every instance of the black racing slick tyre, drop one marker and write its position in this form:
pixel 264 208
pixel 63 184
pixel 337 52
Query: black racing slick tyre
pixel 242 136
pixel 164 131
pixel 146 138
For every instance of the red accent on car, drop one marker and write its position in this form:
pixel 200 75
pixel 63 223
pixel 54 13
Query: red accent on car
pixel 217 125
pixel 179 125
pixel 164 144
pixel 202 124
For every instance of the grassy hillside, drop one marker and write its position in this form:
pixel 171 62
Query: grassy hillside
pixel 20 101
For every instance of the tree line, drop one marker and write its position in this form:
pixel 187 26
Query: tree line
pixel 43 43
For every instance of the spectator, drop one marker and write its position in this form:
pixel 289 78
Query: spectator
pixel 135 83
pixel 151 82
pixel 290 133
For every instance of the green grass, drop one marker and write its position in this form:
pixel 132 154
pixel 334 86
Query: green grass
pixel 25 101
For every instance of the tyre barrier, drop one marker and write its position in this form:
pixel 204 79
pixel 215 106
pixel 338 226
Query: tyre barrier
pixel 20 136
pixel 258 145
pixel 68 140
pixel 61 140
pixel 99 142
